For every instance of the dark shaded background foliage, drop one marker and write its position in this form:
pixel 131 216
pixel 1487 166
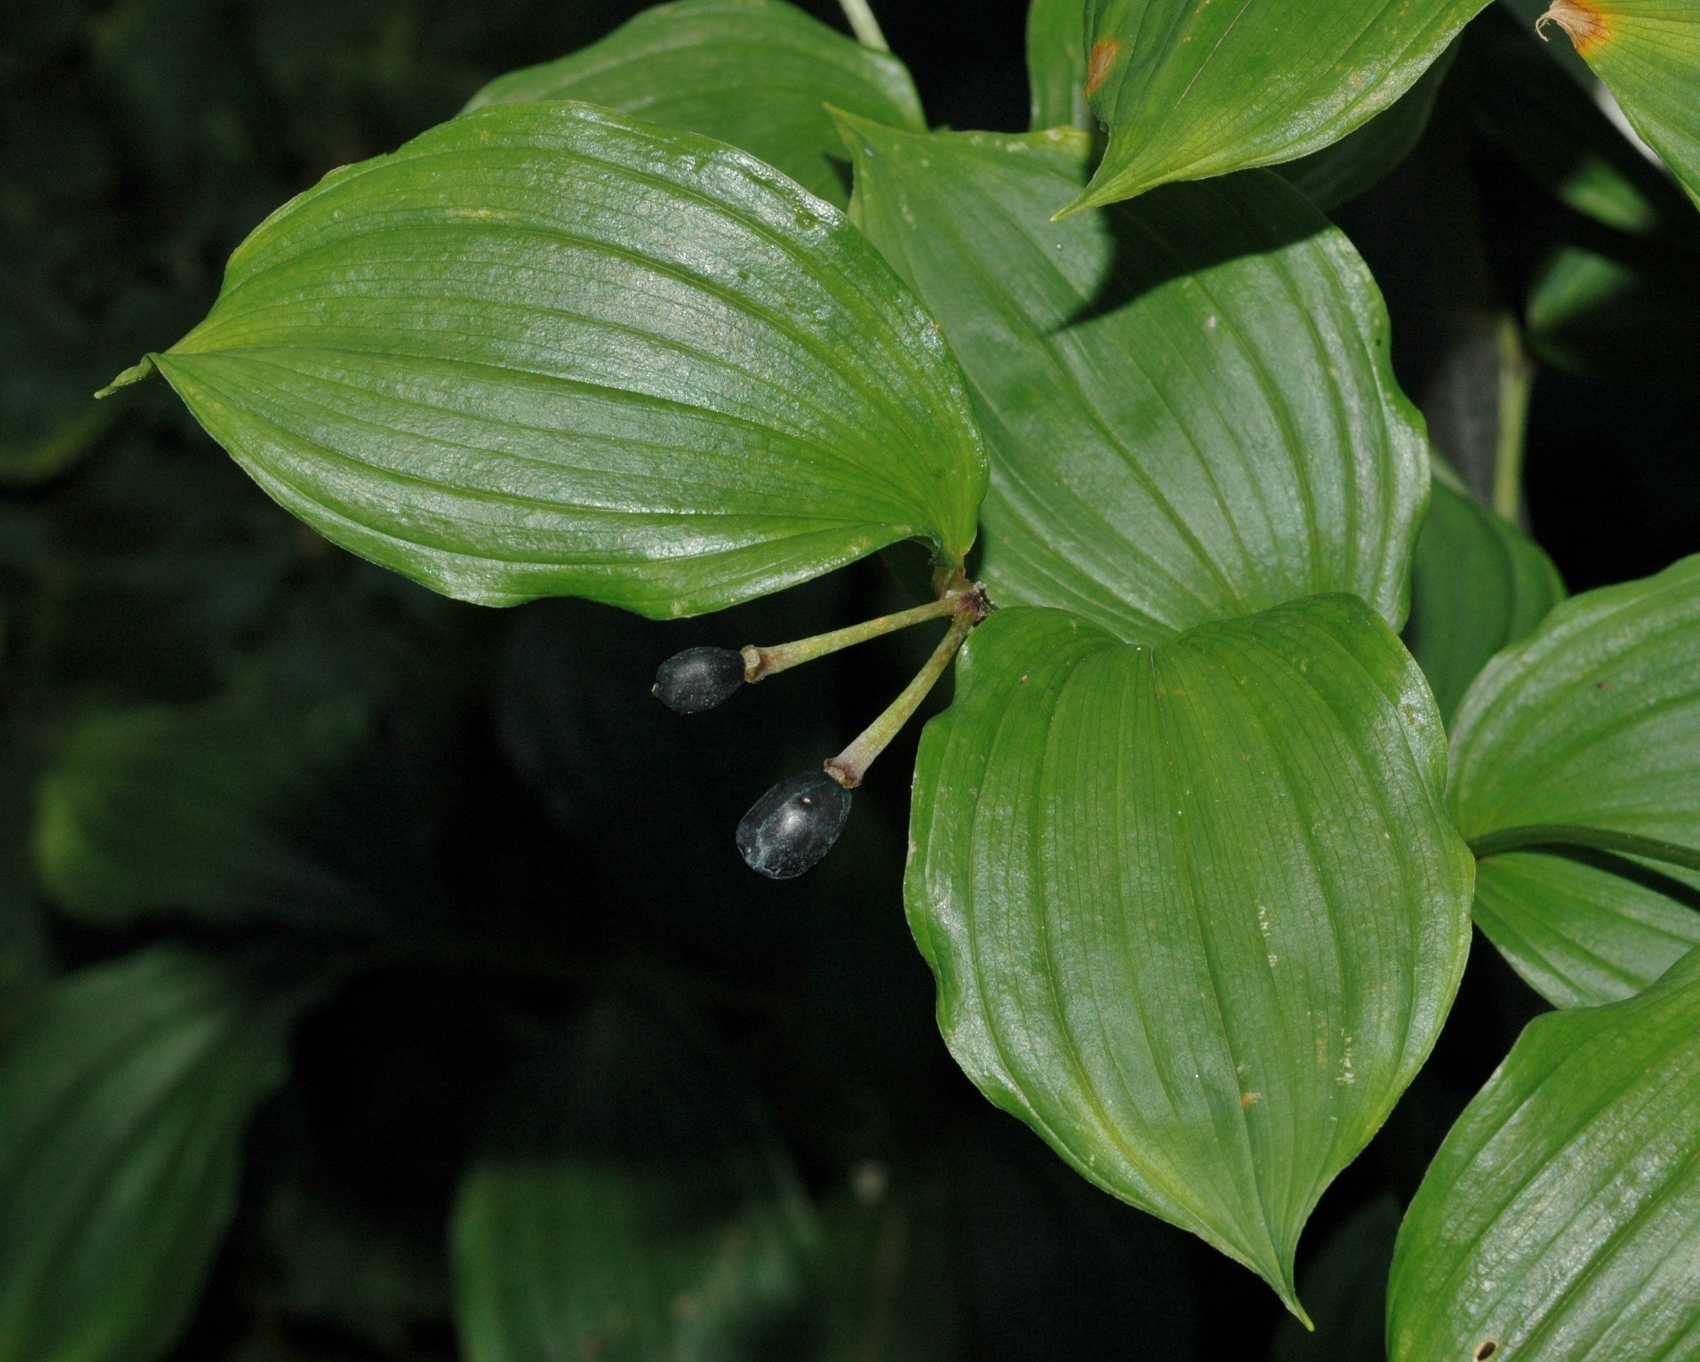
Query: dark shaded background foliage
pixel 509 826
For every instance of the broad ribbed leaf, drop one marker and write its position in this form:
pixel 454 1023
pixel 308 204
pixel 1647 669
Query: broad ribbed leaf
pixel 1194 88
pixel 1591 731
pixel 1056 70
pixel 1347 1290
pixel 1478 584
pixel 1362 159
pixel 628 1207
pixel 1560 1221
pixel 1196 912
pixel 1648 54
pixel 122 1112
pixel 755 73
pixel 1188 398
pixel 1056 65
pixel 548 350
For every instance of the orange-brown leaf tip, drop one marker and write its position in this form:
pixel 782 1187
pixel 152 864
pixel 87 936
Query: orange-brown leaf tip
pixel 1587 24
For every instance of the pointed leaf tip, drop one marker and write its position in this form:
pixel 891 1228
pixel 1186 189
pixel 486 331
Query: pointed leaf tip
pixel 1170 79
pixel 537 456
pixel 1086 807
pixel 134 374
pixel 1585 24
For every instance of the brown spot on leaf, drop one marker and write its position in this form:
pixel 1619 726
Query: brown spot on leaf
pixel 1098 66
pixel 1587 24
pixel 1487 1350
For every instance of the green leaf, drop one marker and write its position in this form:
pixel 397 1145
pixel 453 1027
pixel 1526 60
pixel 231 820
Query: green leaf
pixel 1347 1291
pixel 548 350
pixel 754 73
pixel 1362 159
pixel 1648 54
pixel 1561 1219
pixel 30 461
pixel 1568 748
pixel 1188 398
pixel 1478 584
pixel 1196 912
pixel 1626 312
pixel 331 1262
pixel 1619 297
pixel 1545 119
pixel 122 1113
pixel 629 1206
pixel 178 808
pixel 1171 77
pixel 1056 65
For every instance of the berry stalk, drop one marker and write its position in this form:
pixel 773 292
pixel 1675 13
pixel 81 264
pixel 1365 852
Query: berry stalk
pixel 760 663
pixel 851 765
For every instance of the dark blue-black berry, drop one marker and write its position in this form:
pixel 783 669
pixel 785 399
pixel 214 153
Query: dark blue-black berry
pixel 698 679
pixel 793 825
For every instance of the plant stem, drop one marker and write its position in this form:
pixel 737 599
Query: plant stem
pixel 1516 384
pixel 1546 835
pixel 764 662
pixel 850 765
pixel 864 25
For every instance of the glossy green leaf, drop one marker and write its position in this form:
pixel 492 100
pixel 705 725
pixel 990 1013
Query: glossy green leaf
pixel 1362 159
pixel 544 349
pixel 1188 398
pixel 1648 54
pixel 1478 584
pixel 177 809
pixel 755 73
pixel 1560 1221
pixel 1196 912
pixel 122 1112
pixel 1056 65
pixel 1171 78
pixel 1589 731
pixel 1346 1288
pixel 629 1207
